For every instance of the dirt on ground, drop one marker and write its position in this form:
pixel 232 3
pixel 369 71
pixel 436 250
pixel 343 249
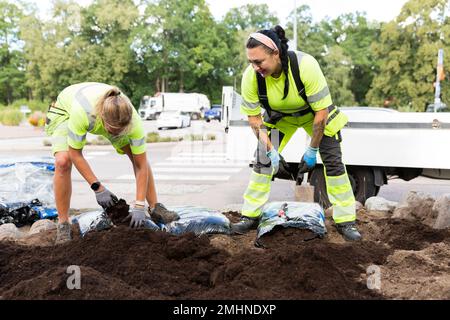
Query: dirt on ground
pixel 411 259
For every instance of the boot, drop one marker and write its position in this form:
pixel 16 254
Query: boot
pixel 244 225
pixel 63 233
pixel 160 214
pixel 349 231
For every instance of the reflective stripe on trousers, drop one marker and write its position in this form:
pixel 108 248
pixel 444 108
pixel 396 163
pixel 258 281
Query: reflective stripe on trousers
pixel 341 196
pixel 256 195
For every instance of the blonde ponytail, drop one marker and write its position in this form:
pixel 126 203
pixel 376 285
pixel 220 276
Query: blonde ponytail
pixel 115 109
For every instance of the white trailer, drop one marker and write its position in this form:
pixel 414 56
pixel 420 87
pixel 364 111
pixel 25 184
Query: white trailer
pixel 195 104
pixel 377 143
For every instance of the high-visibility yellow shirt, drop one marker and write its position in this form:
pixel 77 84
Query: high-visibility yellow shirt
pixel 79 101
pixel 316 89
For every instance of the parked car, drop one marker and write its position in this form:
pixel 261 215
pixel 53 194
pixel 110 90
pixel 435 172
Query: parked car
pixel 215 113
pixel 442 108
pixel 173 119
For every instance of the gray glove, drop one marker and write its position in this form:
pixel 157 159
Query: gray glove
pixel 137 216
pixel 106 198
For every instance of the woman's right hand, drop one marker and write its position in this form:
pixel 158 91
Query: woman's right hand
pixel 106 198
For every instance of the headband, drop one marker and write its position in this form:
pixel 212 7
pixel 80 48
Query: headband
pixel 265 40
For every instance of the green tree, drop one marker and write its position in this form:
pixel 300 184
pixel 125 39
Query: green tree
pixel 355 34
pixel 12 73
pixel 407 55
pixel 250 17
pixel 235 28
pixel 337 68
pixel 78 45
pixel 350 32
pixel 181 45
pixel 312 37
pixel 107 36
pixel 51 50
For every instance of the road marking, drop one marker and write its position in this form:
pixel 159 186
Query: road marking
pixel 202 164
pixel 162 177
pixel 198 159
pixel 190 166
pixel 206 154
pixel 198 170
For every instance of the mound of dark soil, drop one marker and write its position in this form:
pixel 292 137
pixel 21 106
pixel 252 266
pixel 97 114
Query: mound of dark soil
pixel 122 263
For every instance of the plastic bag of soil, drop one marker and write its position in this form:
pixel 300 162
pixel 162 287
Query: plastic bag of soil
pixel 25 179
pixel 103 220
pixel 92 221
pixel 300 215
pixel 198 220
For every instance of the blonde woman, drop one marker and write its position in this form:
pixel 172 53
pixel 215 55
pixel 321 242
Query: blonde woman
pixel 99 109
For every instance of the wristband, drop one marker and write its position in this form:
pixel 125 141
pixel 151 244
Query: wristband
pixel 139 203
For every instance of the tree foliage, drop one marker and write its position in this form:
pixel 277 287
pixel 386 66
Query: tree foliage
pixel 12 72
pixel 146 46
pixel 406 55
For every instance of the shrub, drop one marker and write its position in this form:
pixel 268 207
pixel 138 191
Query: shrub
pixel 152 137
pixel 10 117
pixel 194 137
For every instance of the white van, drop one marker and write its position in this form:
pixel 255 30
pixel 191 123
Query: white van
pixel 195 104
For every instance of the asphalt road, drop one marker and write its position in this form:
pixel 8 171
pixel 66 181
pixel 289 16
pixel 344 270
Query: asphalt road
pixel 186 173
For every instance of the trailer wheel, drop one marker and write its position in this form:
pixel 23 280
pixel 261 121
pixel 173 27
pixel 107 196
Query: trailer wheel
pixel 361 179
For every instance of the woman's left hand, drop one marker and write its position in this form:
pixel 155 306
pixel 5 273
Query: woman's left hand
pixel 137 217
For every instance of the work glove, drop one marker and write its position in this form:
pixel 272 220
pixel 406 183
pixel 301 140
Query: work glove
pixel 106 198
pixel 308 160
pixel 274 157
pixel 137 216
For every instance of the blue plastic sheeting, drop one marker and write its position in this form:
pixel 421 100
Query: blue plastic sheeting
pixel 25 179
pixel 300 215
pixel 45 213
pixel 198 220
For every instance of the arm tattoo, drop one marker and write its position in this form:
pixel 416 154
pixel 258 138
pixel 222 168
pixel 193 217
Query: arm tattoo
pixel 318 129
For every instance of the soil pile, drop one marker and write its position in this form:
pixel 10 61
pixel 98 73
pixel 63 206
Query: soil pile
pixel 118 212
pixel 140 264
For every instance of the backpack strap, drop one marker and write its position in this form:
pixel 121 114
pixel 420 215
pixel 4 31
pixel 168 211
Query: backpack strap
pixel 296 74
pixel 262 92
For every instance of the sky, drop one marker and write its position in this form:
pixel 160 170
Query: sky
pixel 380 10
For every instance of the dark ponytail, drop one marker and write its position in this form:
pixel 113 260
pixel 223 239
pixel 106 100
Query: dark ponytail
pixel 279 31
pixel 278 36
